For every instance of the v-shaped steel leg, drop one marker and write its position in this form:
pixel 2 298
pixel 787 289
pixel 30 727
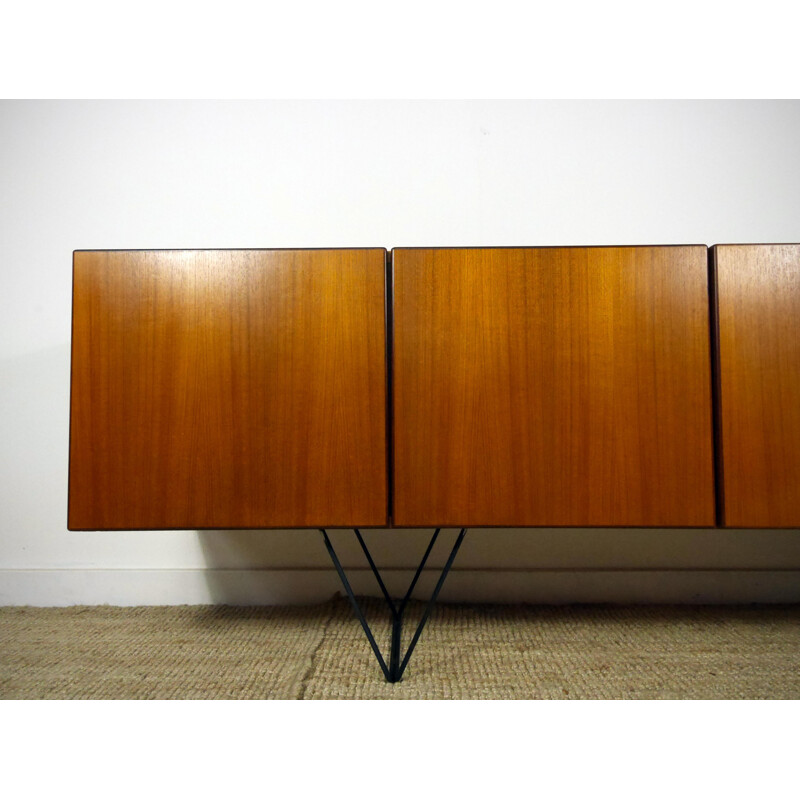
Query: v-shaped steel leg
pixel 394 672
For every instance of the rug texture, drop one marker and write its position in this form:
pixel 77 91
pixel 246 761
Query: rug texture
pixel 466 652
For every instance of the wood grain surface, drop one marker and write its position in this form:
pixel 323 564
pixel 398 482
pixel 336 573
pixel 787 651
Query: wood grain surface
pixel 552 386
pixel 228 389
pixel 758 289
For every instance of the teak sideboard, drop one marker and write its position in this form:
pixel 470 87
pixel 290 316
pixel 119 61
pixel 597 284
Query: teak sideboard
pixel 435 387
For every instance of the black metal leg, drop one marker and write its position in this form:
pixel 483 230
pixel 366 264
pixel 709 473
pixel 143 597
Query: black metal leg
pixel 394 672
pixel 356 607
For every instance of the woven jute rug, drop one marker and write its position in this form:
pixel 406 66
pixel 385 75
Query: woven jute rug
pixel 466 652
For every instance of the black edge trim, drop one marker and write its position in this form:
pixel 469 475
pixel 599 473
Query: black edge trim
pixel 716 388
pixel 218 249
pixel 389 321
pixel 71 381
pixel 553 247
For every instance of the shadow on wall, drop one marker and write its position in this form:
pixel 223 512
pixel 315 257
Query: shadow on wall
pixel 283 565
pixel 243 564
pixel 287 564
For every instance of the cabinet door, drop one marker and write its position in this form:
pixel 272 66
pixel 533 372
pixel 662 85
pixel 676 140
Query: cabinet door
pixel 552 386
pixel 758 289
pixel 228 389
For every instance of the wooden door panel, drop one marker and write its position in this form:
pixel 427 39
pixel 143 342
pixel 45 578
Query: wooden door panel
pixel 228 389
pixel 758 291
pixel 552 386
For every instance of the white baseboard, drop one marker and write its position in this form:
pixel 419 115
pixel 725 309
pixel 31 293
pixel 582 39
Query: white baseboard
pixel 148 587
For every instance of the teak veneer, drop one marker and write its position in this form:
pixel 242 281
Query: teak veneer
pixel 758 298
pixel 228 389
pixel 552 386
pixel 529 387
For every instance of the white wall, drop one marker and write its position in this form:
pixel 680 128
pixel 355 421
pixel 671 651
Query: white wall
pixel 166 174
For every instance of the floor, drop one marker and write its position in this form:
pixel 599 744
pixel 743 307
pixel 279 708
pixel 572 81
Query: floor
pixel 466 652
